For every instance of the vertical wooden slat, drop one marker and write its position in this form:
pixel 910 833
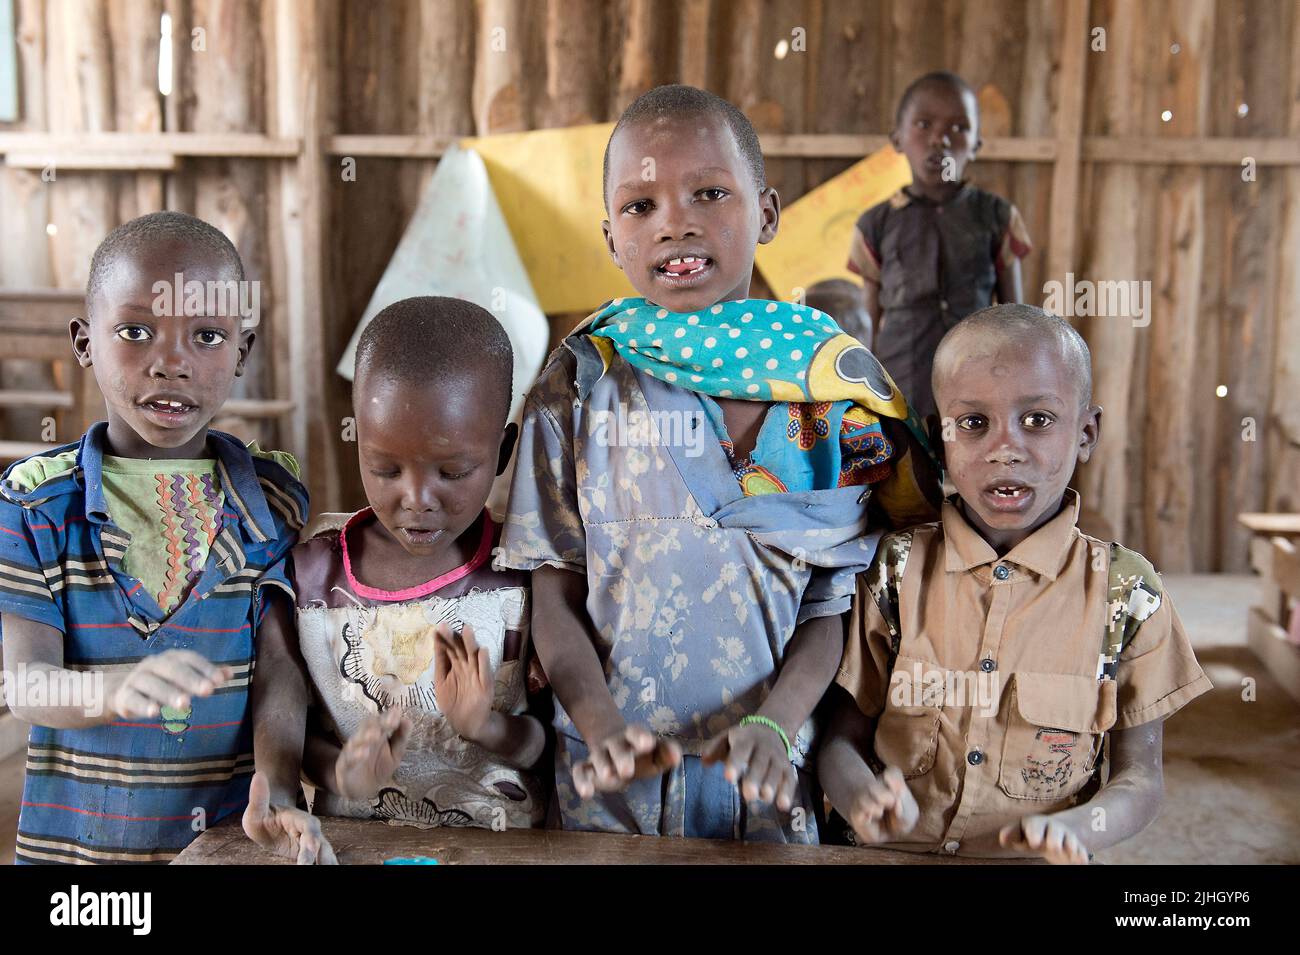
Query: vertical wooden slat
pixel 1069 131
pixel 576 64
pixel 298 58
pixel 1284 425
pixel 1177 388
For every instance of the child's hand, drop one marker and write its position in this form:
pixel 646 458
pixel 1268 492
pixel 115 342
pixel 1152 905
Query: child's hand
pixel 462 680
pixel 632 753
pixel 756 761
pixel 884 809
pixel 368 760
pixel 170 678
pixel 285 830
pixel 1047 836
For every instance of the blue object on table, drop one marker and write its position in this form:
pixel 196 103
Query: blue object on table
pixel 412 860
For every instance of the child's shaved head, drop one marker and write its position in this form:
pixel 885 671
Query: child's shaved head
pixel 678 101
pixel 429 338
pixel 939 78
pixel 154 229
pixel 991 327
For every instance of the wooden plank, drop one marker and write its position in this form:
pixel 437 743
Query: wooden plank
pixel 1063 222
pixel 1286 566
pixel 370 842
pixel 89 160
pixel 17 450
pixel 242 145
pixel 1286 525
pixel 298 58
pixel 1192 150
pixel 1279 655
pixel 13 398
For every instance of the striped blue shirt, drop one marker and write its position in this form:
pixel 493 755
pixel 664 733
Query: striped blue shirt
pixel 141 790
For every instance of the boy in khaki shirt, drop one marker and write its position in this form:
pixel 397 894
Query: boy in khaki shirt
pixel 990 654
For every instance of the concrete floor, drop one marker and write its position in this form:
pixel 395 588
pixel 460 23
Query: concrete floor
pixel 1232 766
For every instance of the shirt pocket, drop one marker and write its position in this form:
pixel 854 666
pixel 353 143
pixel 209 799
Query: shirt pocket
pixel 908 737
pixel 1054 725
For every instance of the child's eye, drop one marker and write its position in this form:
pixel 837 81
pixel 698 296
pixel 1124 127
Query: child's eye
pixel 386 475
pixel 971 422
pixel 923 124
pixel 210 336
pixel 640 207
pixel 134 333
pixel 1037 420
pixel 457 476
pixel 714 194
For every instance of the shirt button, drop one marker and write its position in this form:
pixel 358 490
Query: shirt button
pixel 1001 571
pixel 974 757
pixel 987 665
pixel 951 847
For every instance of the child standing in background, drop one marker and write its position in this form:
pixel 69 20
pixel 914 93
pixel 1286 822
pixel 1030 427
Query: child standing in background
pixel 938 249
pixel 701 475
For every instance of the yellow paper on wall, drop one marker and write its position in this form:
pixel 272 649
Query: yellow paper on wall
pixel 548 183
pixel 816 231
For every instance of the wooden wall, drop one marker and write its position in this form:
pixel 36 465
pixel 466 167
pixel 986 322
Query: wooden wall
pixel 1074 137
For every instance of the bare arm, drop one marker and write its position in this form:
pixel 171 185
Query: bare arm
pixel 96 697
pixel 565 645
pixel 871 298
pixel 281 696
pixel 811 659
pixel 1131 799
pixel 1009 289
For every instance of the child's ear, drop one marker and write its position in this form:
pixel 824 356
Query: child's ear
pixel 895 140
pixel 245 346
pixel 979 144
pixel 609 244
pixel 508 439
pixel 1091 432
pixel 79 329
pixel 770 205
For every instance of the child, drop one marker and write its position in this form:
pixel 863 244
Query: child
pixel 692 495
pixel 1005 592
pixel 938 249
pixel 401 621
pixel 135 564
pixel 842 301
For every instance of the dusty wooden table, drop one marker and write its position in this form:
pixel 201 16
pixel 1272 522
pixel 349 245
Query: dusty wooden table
pixel 361 842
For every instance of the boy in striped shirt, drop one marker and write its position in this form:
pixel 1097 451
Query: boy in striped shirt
pixel 136 564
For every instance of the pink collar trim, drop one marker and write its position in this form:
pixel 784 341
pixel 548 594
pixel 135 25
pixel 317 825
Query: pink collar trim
pixel 420 590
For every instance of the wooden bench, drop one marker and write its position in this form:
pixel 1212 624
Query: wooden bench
pixel 1271 631
pixel 364 842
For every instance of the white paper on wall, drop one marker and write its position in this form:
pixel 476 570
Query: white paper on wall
pixel 458 244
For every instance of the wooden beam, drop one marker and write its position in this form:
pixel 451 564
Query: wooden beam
pixel 15 398
pixel 92 161
pixel 299 59
pixel 1192 150
pixel 1063 221
pixel 242 145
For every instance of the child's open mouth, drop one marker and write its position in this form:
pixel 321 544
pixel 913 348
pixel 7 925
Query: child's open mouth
pixel 1008 497
pixel 684 270
pixel 168 411
pixel 419 536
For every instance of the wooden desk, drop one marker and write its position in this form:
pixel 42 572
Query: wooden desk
pixel 360 842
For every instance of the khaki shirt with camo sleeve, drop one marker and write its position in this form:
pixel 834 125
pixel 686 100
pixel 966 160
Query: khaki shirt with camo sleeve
pixel 982 673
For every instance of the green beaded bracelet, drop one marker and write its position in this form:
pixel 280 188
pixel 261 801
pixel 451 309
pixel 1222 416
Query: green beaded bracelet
pixel 772 725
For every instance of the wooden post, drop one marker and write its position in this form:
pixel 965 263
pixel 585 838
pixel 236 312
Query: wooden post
pixel 298 57
pixel 1069 132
